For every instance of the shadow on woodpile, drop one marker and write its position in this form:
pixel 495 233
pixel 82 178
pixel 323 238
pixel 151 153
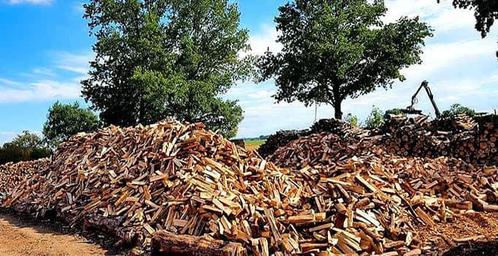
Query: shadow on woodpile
pixel 475 249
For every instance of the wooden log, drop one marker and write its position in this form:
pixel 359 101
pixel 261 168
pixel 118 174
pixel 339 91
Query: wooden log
pixel 165 243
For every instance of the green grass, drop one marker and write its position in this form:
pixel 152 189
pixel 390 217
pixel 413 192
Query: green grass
pixel 253 144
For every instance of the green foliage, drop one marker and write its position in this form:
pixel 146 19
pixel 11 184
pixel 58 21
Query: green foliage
pixel 375 119
pixel 166 58
pixel 338 49
pixel 457 109
pixel 26 146
pixel 486 11
pixel 65 120
pixel 352 120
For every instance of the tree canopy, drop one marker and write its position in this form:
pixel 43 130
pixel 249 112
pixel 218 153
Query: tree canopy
pixel 166 58
pixel 338 49
pixel 486 12
pixel 65 120
pixel 26 146
pixel 457 109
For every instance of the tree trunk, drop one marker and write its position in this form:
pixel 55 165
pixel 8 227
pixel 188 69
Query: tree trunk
pixel 337 109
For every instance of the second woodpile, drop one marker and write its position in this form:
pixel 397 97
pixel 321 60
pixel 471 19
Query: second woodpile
pixel 181 189
pixel 473 140
pixel 339 128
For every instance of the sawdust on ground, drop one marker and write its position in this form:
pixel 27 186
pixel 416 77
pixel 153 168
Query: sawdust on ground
pixel 479 225
pixel 17 238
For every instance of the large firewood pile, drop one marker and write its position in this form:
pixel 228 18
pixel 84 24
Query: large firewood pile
pixel 431 190
pixel 185 189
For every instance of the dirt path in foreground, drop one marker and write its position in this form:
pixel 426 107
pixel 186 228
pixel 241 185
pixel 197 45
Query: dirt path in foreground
pixel 17 238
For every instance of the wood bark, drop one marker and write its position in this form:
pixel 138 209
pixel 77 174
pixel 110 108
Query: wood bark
pixel 165 243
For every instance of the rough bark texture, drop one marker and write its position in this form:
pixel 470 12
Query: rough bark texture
pixel 338 110
pixel 165 243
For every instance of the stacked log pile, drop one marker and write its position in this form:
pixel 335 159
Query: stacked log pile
pixel 474 141
pixel 187 190
pixel 488 138
pixel 320 151
pixel 11 174
pixel 339 128
pixel 279 139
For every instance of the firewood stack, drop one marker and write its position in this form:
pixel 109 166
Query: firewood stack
pixel 11 174
pixel 463 137
pixel 321 150
pixel 432 190
pixel 185 180
pixel 337 127
pixel 187 190
pixel 341 128
pixel 488 138
pixel 279 139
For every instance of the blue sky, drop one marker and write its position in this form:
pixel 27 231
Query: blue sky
pixel 45 48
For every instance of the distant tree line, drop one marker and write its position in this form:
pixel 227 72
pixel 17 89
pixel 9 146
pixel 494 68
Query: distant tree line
pixel 63 121
pixel 26 146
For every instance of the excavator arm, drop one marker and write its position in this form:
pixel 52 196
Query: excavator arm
pixel 412 110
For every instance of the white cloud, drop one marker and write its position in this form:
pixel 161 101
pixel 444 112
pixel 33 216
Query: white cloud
pixel 265 39
pixel 4 82
pixel 442 17
pixel 35 2
pixel 48 83
pixel 76 63
pixel 39 91
pixel 44 72
pixel 448 55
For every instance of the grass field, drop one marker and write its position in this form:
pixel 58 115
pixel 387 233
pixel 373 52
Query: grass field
pixel 253 144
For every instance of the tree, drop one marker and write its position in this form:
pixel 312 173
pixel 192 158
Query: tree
pixel 166 58
pixel 486 11
pixel 26 146
pixel 457 109
pixel 352 120
pixel 338 49
pixel 375 119
pixel 65 120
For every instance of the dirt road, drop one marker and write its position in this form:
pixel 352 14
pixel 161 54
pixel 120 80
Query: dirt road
pixel 17 238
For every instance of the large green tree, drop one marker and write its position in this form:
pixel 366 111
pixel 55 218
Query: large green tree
pixel 166 58
pixel 65 120
pixel 334 49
